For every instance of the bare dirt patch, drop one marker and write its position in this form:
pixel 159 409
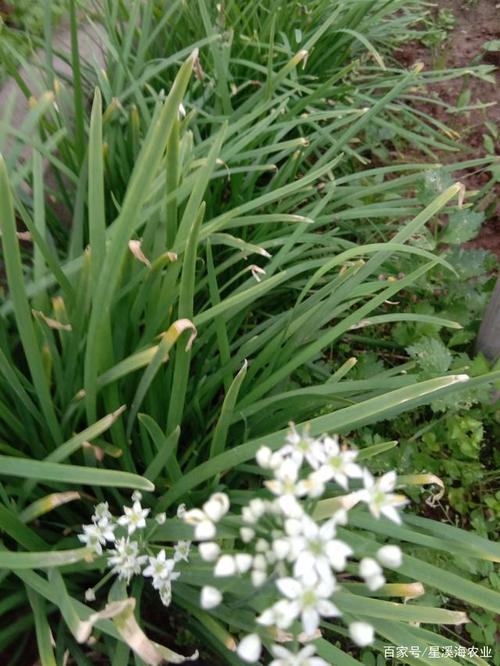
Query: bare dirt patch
pixel 476 22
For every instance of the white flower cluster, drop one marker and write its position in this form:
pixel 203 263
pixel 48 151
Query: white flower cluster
pixel 284 547
pixel 130 553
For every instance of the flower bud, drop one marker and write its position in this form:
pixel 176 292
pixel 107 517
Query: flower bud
pixel 257 507
pixel 263 457
pixel 247 534
pixel 281 548
pixel 216 507
pixel 250 648
pixel 210 597
pixel 205 531
pixel 258 577
pixel 368 568
pixel 375 582
pixel 226 566
pixel 209 551
pixel 390 556
pixel 243 562
pixel 361 633
pixel 260 563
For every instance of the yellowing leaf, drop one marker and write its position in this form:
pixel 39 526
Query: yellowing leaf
pixel 135 247
pixel 153 654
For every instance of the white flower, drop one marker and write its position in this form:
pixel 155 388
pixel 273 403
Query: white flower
pixel 271 557
pixel 309 600
pixel 258 577
pixel 95 537
pixel 261 546
pixel 260 562
pixel 125 559
pixel 314 485
pixel 340 517
pixel 287 487
pixel 107 531
pixel 204 528
pixel 289 505
pixel 338 465
pixel 250 648
pixel 160 569
pixel 299 446
pixel 317 550
pixel 226 566
pixel 368 567
pixel 243 562
pixel 281 615
pixel 361 633
pixel 286 480
pixel 267 459
pixel 102 515
pixel 303 658
pixel 247 534
pixel 371 572
pixel 216 507
pixel 134 517
pixel 209 551
pixel 293 526
pixel 281 548
pixel 375 582
pixel 161 518
pixel 390 556
pixel 210 597
pixel 255 509
pixel 136 496
pixel 181 551
pixel 204 520
pixel 377 494
pixel 159 583
pixel 294 545
pixel 165 590
pixel 90 594
pixel 181 511
pixel 263 457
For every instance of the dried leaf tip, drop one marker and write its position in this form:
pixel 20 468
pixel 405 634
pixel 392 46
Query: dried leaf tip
pixel 135 247
pixel 114 415
pixel 461 378
pixel 51 323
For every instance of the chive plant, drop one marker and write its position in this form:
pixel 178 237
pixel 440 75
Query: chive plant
pixel 183 318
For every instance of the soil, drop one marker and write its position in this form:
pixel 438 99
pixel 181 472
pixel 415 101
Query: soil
pixel 476 22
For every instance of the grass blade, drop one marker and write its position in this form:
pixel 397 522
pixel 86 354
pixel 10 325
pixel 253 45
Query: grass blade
pixel 97 215
pixel 42 628
pixel 49 471
pixel 147 163
pixel 21 306
pixel 42 559
pixel 221 430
